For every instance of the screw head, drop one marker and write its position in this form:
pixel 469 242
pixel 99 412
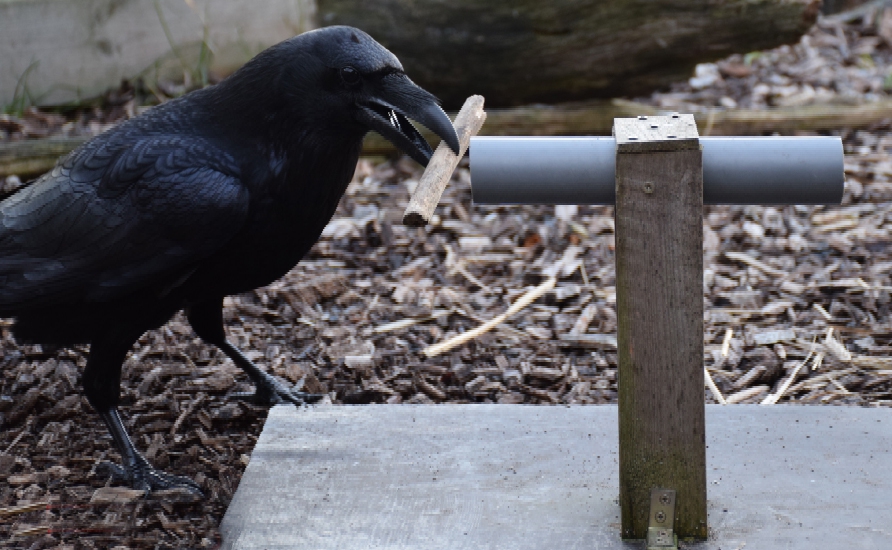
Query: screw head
pixel 648 188
pixel 664 499
pixel 660 516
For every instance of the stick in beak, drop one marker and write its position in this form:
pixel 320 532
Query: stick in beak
pixel 442 164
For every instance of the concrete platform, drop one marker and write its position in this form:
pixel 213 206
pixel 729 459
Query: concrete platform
pixel 514 477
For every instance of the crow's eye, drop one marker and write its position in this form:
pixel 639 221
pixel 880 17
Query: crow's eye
pixel 350 76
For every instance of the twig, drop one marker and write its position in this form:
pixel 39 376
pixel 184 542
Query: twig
pixel 443 162
pixel 18 437
pixel 750 261
pixel 771 399
pixel 836 348
pixel 432 391
pixel 507 329
pixel 33 531
pixel 518 305
pixel 199 399
pixel 820 309
pixel 726 343
pixel 583 273
pixel 458 265
pixel 713 388
pixel 15 510
pixel 584 320
pixel 405 323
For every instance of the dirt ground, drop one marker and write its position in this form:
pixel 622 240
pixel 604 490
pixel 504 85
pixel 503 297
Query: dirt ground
pixel 798 304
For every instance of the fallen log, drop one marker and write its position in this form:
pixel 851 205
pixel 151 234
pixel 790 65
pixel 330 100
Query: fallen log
pixel 33 157
pixel 528 51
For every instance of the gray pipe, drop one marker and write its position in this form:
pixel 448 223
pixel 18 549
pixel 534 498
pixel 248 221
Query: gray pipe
pixel 581 170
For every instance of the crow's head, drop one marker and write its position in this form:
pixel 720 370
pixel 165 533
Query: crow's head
pixel 341 77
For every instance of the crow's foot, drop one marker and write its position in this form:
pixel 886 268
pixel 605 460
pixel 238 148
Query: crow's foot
pixel 140 475
pixel 272 392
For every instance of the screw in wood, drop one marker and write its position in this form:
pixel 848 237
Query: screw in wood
pixel 648 188
pixel 660 517
pixel 665 500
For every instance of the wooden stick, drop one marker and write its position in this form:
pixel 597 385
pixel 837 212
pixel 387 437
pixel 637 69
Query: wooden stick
pixel 710 383
pixel 439 170
pixel 772 398
pixel 521 303
pixel 749 260
pixel 14 510
pixel 726 343
pixel 199 399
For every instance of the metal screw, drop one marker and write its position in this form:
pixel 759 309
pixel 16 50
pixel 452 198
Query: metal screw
pixel 648 188
pixel 665 500
pixel 660 517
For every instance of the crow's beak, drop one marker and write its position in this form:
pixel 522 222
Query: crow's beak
pixel 398 99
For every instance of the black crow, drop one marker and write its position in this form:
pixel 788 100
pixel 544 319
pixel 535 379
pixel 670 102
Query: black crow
pixel 216 193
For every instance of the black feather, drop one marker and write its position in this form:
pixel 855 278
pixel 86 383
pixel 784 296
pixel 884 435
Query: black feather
pixel 215 193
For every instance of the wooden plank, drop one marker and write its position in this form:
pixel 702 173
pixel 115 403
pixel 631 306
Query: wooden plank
pixel 659 269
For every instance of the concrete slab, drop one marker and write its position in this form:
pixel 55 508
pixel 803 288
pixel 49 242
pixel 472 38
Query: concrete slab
pixel 523 477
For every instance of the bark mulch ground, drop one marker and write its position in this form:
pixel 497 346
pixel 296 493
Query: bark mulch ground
pixel 798 303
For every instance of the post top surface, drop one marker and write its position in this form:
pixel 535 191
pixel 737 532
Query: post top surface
pixel 656 133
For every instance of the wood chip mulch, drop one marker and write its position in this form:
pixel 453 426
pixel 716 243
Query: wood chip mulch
pixel 798 303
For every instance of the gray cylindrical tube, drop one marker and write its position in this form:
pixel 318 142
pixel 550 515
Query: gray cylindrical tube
pixel 581 170
pixel 543 170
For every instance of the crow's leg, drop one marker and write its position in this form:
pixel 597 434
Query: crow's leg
pixel 206 319
pixel 102 387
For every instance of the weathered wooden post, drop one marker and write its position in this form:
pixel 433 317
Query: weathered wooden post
pixel 658 173
pixel 659 302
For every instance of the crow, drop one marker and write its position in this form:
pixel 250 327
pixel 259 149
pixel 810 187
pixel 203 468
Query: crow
pixel 218 192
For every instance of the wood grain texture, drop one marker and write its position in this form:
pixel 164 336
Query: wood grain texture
pixel 659 273
pixel 528 51
pixel 442 164
pixel 644 134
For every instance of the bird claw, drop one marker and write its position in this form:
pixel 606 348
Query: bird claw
pixel 143 477
pixel 272 392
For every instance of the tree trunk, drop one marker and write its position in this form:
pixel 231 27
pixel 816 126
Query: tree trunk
pixel 529 51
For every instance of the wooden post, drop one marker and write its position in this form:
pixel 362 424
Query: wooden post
pixel 659 298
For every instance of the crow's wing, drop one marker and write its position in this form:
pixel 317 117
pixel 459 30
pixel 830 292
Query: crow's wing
pixel 115 217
